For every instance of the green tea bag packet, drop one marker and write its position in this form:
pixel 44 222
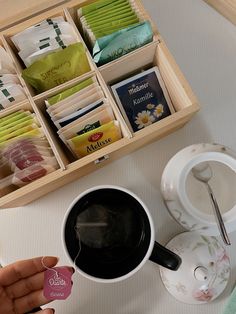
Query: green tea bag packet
pixel 70 91
pixel 87 115
pixel 112 21
pixel 35 133
pixel 74 100
pixel 94 6
pixel 57 68
pixel 14 117
pixel 114 46
pixel 18 132
pixel 91 141
pixel 10 95
pixel 31 118
pixel 108 12
pixel 77 106
pixel 6 63
pixel 28 122
pixel 8 79
pixel 94 35
pixel 84 125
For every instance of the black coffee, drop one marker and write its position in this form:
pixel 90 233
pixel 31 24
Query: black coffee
pixel 113 231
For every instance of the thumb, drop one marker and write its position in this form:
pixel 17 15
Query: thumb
pixel 46 311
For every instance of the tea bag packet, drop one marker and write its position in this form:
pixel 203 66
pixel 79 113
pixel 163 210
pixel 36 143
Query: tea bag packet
pixel 14 117
pixel 7 79
pixel 76 102
pixel 69 92
pixel 77 114
pixel 44 48
pixel 57 68
pixel 91 141
pixel 105 106
pixel 23 177
pixel 143 99
pixel 107 25
pixel 84 125
pixel 11 94
pixel 6 64
pixel 44 38
pixel 111 47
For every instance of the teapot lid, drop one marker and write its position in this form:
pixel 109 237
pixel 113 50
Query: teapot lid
pixel 204 272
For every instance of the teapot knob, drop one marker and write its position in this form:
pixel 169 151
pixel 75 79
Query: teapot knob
pixel 201 273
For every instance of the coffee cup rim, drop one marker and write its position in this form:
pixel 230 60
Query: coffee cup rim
pixel 152 237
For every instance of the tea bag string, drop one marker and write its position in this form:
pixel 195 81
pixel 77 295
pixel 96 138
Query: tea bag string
pixel 78 235
pixel 48 268
pixel 86 224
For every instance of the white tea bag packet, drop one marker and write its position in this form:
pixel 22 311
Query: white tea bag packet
pixel 88 115
pixel 86 124
pixel 72 98
pixel 73 103
pixel 41 33
pixel 78 106
pixel 11 94
pixel 6 64
pixel 8 79
pixel 77 114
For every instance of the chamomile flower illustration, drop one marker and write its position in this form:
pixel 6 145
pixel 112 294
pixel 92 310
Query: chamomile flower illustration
pixel 150 106
pixel 159 110
pixel 144 119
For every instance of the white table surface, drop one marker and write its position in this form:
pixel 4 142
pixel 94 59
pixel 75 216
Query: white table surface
pixel 204 45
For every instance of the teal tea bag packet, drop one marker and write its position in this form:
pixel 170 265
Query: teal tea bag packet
pixel 113 46
pixel 57 68
pixel 68 92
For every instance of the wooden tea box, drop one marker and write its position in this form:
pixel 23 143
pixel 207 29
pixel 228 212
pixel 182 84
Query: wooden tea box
pixel 153 54
pixel 225 7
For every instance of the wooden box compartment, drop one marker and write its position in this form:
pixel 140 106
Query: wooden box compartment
pixel 155 53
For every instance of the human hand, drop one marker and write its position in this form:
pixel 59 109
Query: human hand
pixel 21 286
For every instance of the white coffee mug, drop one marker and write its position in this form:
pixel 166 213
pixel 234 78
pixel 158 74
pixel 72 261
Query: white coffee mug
pixel 108 234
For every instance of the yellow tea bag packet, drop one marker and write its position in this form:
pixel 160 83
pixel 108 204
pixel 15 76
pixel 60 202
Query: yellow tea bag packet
pixel 86 125
pixel 57 68
pixel 87 143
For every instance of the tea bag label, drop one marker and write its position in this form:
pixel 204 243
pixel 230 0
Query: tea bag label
pixel 57 283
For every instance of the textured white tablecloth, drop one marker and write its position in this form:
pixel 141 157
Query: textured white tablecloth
pixel 204 45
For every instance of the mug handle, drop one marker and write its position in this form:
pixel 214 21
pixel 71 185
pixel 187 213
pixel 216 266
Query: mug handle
pixel 164 257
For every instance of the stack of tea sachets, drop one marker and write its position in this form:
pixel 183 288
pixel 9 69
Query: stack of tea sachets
pixel 11 92
pixel 84 118
pixel 41 39
pixel 25 154
pixel 114 28
pixel 52 54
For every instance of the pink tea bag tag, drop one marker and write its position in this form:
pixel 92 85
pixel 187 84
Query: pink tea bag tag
pixel 57 283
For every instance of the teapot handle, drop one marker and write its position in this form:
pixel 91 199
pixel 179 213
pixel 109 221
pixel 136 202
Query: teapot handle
pixel 164 257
